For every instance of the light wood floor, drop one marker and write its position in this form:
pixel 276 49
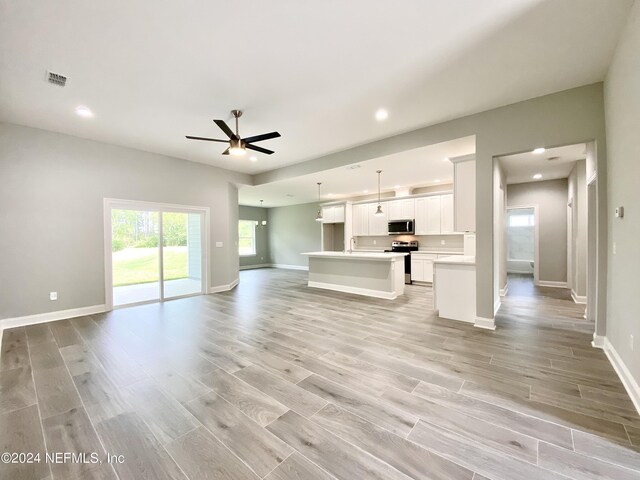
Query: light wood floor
pixel 275 380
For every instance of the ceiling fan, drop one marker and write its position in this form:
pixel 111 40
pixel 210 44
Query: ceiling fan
pixel 237 145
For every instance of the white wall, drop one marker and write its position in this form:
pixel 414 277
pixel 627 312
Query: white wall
pixel 51 213
pixel 622 106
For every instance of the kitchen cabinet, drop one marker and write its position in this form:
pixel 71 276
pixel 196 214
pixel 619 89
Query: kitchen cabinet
pixel 402 209
pixel 433 215
pixel 360 220
pixel 464 189
pixel 378 224
pixel 446 214
pixel 333 214
pixel 422 266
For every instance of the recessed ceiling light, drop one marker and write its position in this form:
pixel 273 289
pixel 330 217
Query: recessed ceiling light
pixel 437 180
pixel 253 158
pixel 330 194
pixel 539 150
pixel 396 186
pixel 537 176
pixel 446 159
pixel 382 115
pixel 365 191
pixel 84 112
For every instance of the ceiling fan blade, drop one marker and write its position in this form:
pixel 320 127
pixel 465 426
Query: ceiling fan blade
pixel 207 139
pixel 259 138
pixel 259 149
pixel 225 128
pixel 226 152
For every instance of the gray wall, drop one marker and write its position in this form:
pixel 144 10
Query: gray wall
pixel 563 118
pixel 577 275
pixel 293 230
pixel 51 213
pixel 622 94
pixel 551 199
pixel 262 255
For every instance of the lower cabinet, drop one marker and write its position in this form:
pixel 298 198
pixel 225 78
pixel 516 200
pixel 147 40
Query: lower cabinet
pixel 422 267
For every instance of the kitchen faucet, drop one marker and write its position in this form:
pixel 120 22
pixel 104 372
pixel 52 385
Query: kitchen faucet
pixel 352 240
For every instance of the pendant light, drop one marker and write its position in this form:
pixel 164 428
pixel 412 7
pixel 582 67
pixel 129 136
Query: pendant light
pixel 319 215
pixel 263 223
pixel 379 209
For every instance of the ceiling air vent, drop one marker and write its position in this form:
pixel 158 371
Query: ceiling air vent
pixel 56 79
pixel 552 159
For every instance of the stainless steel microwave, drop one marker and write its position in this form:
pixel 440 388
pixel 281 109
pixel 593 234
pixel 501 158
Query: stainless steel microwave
pixel 401 227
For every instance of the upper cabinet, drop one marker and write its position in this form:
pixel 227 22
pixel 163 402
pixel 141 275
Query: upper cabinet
pixel 378 224
pixel 333 214
pixel 360 220
pixel 434 215
pixel 464 189
pixel 402 209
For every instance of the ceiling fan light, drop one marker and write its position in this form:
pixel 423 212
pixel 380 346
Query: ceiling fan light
pixel 237 151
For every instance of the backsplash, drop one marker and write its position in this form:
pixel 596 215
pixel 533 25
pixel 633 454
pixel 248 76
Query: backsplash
pixel 425 242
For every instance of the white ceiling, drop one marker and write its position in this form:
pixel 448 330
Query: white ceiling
pixel 153 72
pixel 521 167
pixel 418 167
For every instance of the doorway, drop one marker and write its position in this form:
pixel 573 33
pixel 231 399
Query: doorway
pixel 522 242
pixel 153 252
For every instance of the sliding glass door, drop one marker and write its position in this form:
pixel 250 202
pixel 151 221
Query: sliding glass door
pixel 181 254
pixel 156 254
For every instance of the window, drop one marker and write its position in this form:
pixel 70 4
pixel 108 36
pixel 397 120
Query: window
pixel 521 220
pixel 247 237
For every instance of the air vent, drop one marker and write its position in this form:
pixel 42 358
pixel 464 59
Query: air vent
pixel 552 159
pixel 56 79
pixel 353 167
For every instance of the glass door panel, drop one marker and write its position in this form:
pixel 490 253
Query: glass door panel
pixel 182 254
pixel 135 256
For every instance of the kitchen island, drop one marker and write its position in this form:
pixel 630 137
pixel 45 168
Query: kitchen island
pixel 373 274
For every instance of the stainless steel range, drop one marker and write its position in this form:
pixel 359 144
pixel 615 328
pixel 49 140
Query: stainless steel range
pixel 402 247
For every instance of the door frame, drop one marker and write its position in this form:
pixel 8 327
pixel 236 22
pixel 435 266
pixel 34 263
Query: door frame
pixel 111 203
pixel 536 239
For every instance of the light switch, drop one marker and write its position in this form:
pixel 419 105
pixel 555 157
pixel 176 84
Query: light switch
pixel 619 212
pixel 219 244
pixel 614 248
pixel 53 295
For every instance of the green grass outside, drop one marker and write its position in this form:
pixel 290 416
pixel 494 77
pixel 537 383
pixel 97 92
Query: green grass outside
pixel 132 266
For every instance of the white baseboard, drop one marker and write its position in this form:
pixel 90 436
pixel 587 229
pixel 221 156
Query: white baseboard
pixel 630 384
pixel 290 267
pixel 356 290
pixel 251 267
pixel 224 288
pixel 582 299
pixel 50 316
pixel 546 283
pixel 598 341
pixel 503 291
pixel 486 323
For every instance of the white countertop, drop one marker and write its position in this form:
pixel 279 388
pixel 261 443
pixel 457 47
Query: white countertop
pixel 437 252
pixel 457 259
pixel 357 255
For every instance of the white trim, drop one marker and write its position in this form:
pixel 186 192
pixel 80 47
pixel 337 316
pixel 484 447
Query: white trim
pixel 496 306
pixel 224 288
pixel 581 299
pixel 51 316
pixel 503 291
pixel 598 341
pixel 547 283
pixel 290 267
pixel 258 265
pixel 486 323
pixel 630 384
pixel 355 290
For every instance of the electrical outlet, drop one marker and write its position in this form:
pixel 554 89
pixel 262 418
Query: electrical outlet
pixel 631 342
pixel 219 244
pixel 375 242
pixel 443 242
pixel 53 295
